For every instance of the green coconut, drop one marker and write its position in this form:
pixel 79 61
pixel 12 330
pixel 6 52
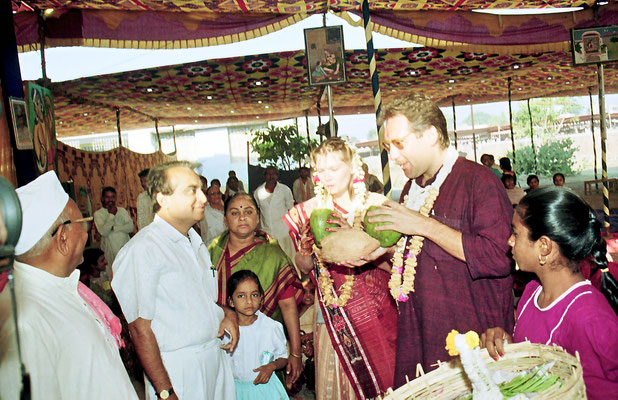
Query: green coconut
pixel 318 224
pixel 386 238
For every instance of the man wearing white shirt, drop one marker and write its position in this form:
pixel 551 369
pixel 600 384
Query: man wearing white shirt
pixel 114 225
pixel 167 288
pixel 212 225
pixel 69 339
pixel 274 200
pixel 145 215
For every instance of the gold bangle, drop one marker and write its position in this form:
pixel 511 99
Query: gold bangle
pixel 295 355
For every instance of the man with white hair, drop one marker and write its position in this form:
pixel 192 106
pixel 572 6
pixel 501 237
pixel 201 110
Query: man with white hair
pixel 69 339
pixel 167 288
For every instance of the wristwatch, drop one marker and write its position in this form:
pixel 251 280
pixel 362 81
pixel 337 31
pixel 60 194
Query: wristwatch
pixel 164 394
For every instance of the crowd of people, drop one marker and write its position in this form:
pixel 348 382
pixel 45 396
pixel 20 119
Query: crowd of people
pixel 223 294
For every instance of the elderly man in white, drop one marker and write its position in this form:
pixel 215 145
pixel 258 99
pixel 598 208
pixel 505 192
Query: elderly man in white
pixel 212 225
pixel 69 338
pixel 167 288
pixel 275 199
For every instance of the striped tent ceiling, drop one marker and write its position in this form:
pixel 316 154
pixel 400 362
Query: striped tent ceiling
pixel 274 86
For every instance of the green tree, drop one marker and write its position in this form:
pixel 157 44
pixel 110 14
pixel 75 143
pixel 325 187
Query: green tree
pixel 282 147
pixel 552 156
pixel 548 115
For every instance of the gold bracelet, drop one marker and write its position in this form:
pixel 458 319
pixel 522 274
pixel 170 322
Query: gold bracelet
pixel 295 356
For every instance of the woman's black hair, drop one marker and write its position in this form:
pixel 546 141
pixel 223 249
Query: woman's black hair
pixel 230 199
pixel 566 219
pixel 506 177
pixel 530 178
pixel 557 174
pixel 240 276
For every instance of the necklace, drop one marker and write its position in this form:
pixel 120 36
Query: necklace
pixel 421 200
pixel 399 290
pixel 330 297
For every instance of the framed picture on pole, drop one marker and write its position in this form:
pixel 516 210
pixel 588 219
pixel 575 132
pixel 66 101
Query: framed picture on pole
pixel 596 44
pixel 325 55
pixel 19 116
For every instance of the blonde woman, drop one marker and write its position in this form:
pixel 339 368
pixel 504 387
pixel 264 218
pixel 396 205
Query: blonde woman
pixel 356 326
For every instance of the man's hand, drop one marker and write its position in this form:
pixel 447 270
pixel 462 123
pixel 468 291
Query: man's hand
pixel 229 325
pixel 111 208
pixel 399 218
pixel 493 339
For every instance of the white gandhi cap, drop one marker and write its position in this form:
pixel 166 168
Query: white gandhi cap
pixel 42 202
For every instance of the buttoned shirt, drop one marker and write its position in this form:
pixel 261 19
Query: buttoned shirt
pixel 65 346
pixel 212 225
pixel 273 206
pixel 114 230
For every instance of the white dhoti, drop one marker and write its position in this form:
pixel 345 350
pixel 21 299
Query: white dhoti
pixel 198 373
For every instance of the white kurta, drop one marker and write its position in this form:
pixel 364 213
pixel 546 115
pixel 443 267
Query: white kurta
pixel 212 225
pixel 273 206
pixel 162 276
pixel 114 231
pixel 145 215
pixel 65 347
pixel 260 343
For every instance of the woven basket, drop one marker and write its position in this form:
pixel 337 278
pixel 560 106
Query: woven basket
pixel 449 381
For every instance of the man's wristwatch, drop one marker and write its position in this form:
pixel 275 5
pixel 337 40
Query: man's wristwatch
pixel 164 394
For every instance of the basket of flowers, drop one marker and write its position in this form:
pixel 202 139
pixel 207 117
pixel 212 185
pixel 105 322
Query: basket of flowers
pixel 527 370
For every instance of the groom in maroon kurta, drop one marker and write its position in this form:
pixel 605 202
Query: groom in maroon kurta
pixel 463 277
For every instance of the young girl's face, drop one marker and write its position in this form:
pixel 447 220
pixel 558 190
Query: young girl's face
pixel 246 299
pixel 524 250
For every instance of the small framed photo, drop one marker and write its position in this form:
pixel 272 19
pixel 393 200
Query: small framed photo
pixel 595 44
pixel 325 55
pixel 19 114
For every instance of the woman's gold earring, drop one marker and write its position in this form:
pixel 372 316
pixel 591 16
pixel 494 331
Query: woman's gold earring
pixel 542 260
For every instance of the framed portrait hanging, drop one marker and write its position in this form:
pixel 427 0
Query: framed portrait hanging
pixel 595 44
pixel 325 55
pixel 19 116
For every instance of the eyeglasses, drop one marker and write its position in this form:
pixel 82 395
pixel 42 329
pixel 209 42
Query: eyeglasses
pixel 71 221
pixel 386 144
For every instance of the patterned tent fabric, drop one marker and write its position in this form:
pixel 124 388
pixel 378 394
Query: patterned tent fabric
pixel 292 7
pixel 274 86
pixel 92 171
pixel 169 25
pixel 144 29
pixel 505 34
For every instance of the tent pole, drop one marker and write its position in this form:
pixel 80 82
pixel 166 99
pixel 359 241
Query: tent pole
pixel 603 144
pixel 532 138
pixel 511 125
pixel 594 141
pixel 473 133
pixel 454 121
pixel 174 137
pixel 377 97
pixel 308 137
pixel 118 127
pixel 157 131
pixel 41 21
pixel 331 120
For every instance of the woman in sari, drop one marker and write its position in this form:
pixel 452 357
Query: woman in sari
pixel 356 329
pixel 244 247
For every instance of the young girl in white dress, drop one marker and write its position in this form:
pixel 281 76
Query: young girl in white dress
pixel 261 349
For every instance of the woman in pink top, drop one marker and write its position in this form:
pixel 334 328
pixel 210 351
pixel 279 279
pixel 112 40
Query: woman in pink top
pixel 553 230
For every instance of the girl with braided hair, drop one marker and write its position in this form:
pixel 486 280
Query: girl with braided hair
pixel 553 231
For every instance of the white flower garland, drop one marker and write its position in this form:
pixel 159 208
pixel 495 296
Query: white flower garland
pixel 421 200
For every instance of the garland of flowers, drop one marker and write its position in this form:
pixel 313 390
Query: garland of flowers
pixel 330 298
pixel 399 290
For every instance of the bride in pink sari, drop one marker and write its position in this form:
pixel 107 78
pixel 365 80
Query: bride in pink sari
pixel 356 325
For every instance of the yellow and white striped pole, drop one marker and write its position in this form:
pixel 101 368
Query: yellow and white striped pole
pixel 377 97
pixel 603 145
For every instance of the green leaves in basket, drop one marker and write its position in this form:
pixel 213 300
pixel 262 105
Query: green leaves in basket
pixel 534 380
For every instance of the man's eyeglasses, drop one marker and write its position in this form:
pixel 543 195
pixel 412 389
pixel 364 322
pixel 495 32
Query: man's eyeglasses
pixel 386 144
pixel 71 221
